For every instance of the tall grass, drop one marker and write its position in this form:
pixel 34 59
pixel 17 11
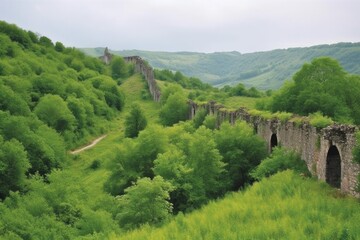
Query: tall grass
pixel 284 206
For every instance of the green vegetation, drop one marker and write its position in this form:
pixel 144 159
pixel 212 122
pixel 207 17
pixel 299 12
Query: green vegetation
pixel 280 160
pixel 284 206
pixel 135 121
pixel 321 86
pixel 263 70
pixel 153 170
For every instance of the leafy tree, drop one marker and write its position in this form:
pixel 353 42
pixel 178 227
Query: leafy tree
pixel 135 159
pixel 174 110
pixel 45 41
pixel 242 151
pixel 15 33
pixel 13 166
pixel 199 118
pixel 210 122
pixel 146 202
pixel 173 167
pixel 135 121
pixel 53 110
pixel 59 47
pixel 119 68
pixel 207 165
pixel 321 86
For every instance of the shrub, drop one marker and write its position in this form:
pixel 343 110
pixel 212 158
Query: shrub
pixel 319 121
pixel 280 159
pixel 95 164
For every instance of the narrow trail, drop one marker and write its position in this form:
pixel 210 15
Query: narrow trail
pixel 92 144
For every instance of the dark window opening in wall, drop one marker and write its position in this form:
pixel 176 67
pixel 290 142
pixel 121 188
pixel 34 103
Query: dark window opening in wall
pixel 273 142
pixel 333 167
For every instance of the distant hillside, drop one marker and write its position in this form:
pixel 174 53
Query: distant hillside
pixel 265 70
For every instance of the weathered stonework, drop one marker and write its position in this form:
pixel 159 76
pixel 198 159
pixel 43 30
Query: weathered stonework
pixel 312 144
pixel 106 58
pixel 142 67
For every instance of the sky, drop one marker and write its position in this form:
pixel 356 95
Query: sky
pixel 188 25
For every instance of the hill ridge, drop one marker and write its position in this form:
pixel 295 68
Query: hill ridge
pixel 264 70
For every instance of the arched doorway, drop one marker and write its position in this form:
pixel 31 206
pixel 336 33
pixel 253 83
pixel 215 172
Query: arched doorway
pixel 333 167
pixel 273 141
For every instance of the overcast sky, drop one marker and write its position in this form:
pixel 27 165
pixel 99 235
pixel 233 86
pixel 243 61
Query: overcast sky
pixel 188 25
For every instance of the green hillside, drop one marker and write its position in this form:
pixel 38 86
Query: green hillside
pixel 284 206
pixel 264 70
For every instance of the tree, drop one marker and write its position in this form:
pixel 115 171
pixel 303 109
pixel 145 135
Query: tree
pixel 13 166
pixel 242 151
pixel 173 167
pixel 59 47
pixel 145 202
pixel 199 118
pixel 174 110
pixel 135 121
pixel 320 86
pixel 119 69
pixel 205 160
pixel 53 110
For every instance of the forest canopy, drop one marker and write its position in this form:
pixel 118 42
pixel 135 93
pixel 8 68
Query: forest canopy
pixel 321 86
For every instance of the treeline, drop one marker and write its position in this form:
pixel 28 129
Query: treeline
pixel 178 77
pixel 52 98
pixel 320 86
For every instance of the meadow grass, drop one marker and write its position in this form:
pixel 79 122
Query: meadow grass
pixel 239 101
pixel 284 206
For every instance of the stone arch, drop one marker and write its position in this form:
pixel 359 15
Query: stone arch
pixel 333 167
pixel 273 141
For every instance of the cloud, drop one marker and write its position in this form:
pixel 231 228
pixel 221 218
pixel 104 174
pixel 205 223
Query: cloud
pixel 192 25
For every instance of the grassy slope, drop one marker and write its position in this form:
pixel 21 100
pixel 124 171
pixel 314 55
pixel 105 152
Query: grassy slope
pixel 106 149
pixel 265 70
pixel 285 206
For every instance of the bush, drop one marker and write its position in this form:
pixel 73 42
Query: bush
pixel 280 159
pixel 319 121
pixel 95 164
pixel 145 202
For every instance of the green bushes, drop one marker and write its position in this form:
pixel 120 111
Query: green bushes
pixel 319 121
pixel 281 159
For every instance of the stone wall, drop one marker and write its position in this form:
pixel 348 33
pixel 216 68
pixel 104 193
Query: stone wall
pixel 312 144
pixel 142 67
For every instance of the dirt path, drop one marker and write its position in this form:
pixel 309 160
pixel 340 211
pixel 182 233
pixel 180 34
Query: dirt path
pixel 92 144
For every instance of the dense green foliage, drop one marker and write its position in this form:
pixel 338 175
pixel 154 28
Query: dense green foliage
pixel 135 121
pixel 178 77
pixel 280 159
pixel 52 98
pixel 200 164
pixel 263 70
pixel 242 151
pixel 145 202
pixel 175 107
pixel 284 206
pixel 321 86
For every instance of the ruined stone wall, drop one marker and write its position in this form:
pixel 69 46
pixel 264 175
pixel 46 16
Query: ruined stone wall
pixel 312 144
pixel 142 67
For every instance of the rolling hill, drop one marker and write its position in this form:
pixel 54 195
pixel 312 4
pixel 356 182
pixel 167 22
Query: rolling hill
pixel 264 70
